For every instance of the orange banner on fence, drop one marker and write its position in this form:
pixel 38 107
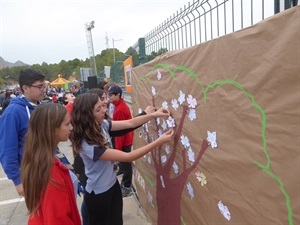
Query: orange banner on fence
pixel 127 73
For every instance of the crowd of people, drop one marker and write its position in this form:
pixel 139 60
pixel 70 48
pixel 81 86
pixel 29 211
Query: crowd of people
pixel 30 156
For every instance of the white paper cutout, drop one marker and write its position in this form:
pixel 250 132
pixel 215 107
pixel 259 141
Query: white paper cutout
pixel 175 104
pixel 190 190
pixel 191 101
pixel 158 75
pixel 212 138
pixel 163 159
pixel 140 110
pixel 140 179
pixel 150 199
pixel 181 97
pixel 175 167
pixel 153 91
pixel 171 122
pixel 168 149
pixel 164 125
pixel 224 210
pixel 165 105
pixel 145 126
pixel 157 120
pixel 160 132
pixel 185 141
pixel 162 181
pixel 191 155
pixel 192 114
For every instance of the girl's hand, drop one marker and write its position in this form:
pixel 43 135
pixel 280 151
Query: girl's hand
pixel 167 136
pixel 162 112
pixel 150 109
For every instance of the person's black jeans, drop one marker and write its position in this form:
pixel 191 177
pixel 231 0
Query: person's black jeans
pixel 126 169
pixel 105 208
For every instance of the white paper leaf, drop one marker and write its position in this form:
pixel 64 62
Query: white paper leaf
pixel 190 190
pixel 212 138
pixel 192 114
pixel 191 155
pixel 171 122
pixel 153 90
pixel 175 104
pixel 185 141
pixel 165 105
pixel 164 125
pixel 168 149
pixel 191 101
pixel 224 210
pixel 158 75
pixel 175 167
pixel 157 120
pixel 181 97
pixel 162 181
pixel 160 132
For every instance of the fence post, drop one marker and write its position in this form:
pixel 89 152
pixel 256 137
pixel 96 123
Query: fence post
pixel 142 51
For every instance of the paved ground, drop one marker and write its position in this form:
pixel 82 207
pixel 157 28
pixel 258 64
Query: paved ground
pixel 13 209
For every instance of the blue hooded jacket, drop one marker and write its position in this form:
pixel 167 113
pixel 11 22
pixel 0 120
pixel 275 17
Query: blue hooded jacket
pixel 13 127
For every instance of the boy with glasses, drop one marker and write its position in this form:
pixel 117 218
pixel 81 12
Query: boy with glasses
pixel 14 123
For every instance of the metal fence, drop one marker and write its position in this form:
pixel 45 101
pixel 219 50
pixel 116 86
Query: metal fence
pixel 204 20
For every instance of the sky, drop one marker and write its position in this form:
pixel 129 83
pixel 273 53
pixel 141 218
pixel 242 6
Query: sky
pixel 37 31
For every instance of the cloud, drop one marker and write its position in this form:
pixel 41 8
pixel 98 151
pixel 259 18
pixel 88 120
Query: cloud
pixel 49 31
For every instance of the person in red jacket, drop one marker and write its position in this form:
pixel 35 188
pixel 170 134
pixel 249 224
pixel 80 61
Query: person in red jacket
pixel 68 100
pixel 123 143
pixel 48 188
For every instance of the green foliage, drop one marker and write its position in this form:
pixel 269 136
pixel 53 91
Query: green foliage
pixel 72 67
pixel 155 54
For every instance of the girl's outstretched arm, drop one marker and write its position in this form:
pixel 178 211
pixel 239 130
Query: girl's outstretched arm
pixel 120 156
pixel 137 121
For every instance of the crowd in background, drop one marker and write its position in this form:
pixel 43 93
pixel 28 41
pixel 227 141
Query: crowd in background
pixel 31 158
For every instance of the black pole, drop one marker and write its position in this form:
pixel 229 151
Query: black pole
pixel 276 6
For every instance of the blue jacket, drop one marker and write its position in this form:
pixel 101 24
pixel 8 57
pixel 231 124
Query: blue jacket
pixel 13 128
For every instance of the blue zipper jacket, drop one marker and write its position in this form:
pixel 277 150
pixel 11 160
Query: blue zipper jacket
pixel 13 127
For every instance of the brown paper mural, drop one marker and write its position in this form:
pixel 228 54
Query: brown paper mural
pixel 234 104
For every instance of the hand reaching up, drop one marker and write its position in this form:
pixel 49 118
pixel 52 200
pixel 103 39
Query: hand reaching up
pixel 149 109
pixel 167 136
pixel 162 112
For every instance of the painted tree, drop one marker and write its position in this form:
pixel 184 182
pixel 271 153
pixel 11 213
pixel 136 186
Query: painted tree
pixel 164 159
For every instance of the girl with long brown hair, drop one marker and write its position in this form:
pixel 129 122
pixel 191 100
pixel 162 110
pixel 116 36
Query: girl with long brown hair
pixel 48 188
pixel 91 139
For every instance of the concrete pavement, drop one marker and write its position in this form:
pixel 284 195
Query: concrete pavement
pixel 13 209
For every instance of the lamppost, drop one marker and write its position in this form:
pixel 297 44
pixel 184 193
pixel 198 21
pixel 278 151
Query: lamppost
pixel 89 26
pixel 113 41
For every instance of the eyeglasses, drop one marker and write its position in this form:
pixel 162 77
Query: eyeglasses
pixel 40 87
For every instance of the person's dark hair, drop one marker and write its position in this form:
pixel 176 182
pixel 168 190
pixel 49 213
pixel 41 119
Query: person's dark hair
pixel 64 98
pixel 101 84
pixel 84 123
pixel 29 76
pixel 99 92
